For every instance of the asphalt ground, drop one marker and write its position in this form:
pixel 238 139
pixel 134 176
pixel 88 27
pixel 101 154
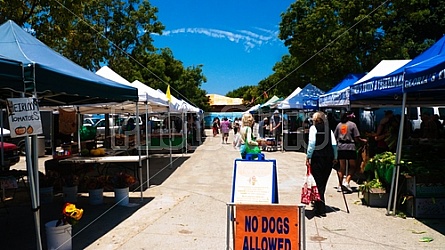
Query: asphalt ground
pixel 186 208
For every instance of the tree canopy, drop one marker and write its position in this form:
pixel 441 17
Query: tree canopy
pixel 329 39
pixel 94 33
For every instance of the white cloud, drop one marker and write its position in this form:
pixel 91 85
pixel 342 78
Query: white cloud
pixel 248 38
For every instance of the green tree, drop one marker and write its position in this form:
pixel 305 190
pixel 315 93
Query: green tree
pixel 330 39
pixel 116 33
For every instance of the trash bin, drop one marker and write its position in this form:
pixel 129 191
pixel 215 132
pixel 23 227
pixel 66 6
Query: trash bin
pixel 41 145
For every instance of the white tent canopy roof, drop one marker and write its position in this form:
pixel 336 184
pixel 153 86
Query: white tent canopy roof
pixel 383 68
pixel 285 103
pixel 180 105
pixel 145 93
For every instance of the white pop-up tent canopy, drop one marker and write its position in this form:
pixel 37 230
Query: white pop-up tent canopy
pixel 145 93
pixel 180 105
pixel 285 103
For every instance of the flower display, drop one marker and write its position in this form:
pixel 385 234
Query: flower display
pixel 70 215
pixel 97 182
pixel 123 180
pixel 70 180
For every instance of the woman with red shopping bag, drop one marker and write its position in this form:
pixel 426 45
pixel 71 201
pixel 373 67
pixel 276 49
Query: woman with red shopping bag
pixel 321 153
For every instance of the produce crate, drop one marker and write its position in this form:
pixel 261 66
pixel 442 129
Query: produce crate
pixel 376 198
pixel 424 189
pixel 425 208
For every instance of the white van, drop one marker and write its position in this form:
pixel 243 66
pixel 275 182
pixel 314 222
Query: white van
pixel 414 114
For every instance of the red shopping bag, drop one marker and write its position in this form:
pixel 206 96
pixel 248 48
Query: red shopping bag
pixel 309 191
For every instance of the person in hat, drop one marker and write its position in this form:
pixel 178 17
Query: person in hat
pixel 276 126
pixel 347 135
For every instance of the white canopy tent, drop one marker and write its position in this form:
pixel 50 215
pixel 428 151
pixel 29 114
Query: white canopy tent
pixel 285 103
pixel 145 93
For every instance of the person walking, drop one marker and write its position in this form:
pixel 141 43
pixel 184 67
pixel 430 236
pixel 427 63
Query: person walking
pixel 246 134
pixel 321 154
pixel 276 126
pixel 347 135
pixel 225 129
pixel 215 126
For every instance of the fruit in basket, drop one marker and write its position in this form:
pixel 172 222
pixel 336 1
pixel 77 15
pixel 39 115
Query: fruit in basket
pixel 97 152
pixel 84 152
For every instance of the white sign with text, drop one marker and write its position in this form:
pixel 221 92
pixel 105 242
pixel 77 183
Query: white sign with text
pixel 24 117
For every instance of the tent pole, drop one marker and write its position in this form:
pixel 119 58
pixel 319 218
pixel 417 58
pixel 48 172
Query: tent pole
pixel 146 144
pixel 33 170
pixel 2 150
pixel 138 146
pixel 32 188
pixel 282 130
pixel 169 137
pixel 79 126
pixel 395 172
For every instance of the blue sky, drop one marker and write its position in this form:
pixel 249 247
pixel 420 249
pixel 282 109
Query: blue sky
pixel 235 41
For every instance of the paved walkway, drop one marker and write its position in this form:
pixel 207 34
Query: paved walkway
pixel 185 208
pixel 189 210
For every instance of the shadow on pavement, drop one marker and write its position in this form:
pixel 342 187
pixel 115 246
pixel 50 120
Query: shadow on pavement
pixel 17 221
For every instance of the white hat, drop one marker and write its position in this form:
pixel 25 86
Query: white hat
pixel 276 112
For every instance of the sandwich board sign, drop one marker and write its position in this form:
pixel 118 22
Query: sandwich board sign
pixel 255 181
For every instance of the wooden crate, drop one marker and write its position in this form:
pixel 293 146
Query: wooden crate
pixel 376 198
pixel 423 189
pixel 425 208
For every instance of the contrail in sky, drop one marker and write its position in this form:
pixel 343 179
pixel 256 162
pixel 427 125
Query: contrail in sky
pixel 248 38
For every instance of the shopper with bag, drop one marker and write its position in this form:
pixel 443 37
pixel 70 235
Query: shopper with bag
pixel 321 154
pixel 249 144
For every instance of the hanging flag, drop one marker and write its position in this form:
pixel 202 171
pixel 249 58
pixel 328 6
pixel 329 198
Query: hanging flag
pixel 169 96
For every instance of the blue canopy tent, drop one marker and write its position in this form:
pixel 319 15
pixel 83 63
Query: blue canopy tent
pixel 382 81
pixel 418 82
pixel 10 70
pixel 339 95
pixel 307 98
pixel 55 79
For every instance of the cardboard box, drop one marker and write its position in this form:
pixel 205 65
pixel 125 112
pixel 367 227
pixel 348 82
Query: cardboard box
pixel 376 198
pixel 425 208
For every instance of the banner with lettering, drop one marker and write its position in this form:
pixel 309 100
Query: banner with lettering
pixel 24 117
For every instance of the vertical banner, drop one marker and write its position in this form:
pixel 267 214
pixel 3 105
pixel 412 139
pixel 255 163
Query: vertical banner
pixel 24 117
pixel 267 227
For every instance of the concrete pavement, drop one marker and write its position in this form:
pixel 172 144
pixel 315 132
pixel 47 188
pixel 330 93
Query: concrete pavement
pixel 189 210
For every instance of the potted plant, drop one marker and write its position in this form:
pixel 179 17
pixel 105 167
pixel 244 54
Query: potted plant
pixel 70 186
pixel 379 171
pixel 46 186
pixel 122 182
pixel 58 232
pixel 95 186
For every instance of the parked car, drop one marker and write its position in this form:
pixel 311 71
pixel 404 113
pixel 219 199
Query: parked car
pixel 90 121
pixel 10 155
pixel 116 124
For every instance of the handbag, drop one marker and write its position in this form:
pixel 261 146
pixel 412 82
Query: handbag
pixel 309 191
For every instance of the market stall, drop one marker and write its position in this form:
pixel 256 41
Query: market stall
pixel 53 80
pixel 407 86
pixel 296 109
